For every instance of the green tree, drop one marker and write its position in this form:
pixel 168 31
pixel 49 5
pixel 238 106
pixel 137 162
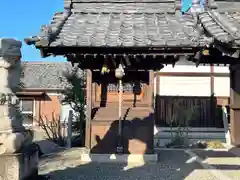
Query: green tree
pixel 74 95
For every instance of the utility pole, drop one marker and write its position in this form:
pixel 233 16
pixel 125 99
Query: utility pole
pixel 69 129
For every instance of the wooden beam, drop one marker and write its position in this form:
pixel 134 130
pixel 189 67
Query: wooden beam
pixel 212 80
pixel 168 51
pixel 158 79
pixel 150 88
pixel 192 74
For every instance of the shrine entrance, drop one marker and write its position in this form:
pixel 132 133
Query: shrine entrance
pixel 136 113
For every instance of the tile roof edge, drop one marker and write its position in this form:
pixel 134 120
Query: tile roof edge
pixel 122 1
pixel 48 33
pixel 44 62
pixel 26 89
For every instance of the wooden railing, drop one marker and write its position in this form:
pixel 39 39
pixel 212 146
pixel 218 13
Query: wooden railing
pixel 208 113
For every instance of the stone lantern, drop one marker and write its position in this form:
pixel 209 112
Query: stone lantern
pixel 18 156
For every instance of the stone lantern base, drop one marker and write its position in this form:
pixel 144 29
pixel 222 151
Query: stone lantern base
pixel 20 166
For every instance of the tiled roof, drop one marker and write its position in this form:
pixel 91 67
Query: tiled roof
pixel 130 29
pixel 116 7
pixel 228 6
pixel 133 23
pixel 224 27
pixel 45 75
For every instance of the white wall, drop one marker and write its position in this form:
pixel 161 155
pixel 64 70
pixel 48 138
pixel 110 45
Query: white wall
pixel 221 86
pixel 221 69
pixel 185 68
pixel 193 68
pixel 192 86
pixel 184 86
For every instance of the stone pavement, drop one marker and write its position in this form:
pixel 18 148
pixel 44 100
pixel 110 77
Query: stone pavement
pixel 223 161
pixel 174 165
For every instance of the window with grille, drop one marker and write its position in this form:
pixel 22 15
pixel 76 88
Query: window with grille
pixel 27 110
pixel 127 87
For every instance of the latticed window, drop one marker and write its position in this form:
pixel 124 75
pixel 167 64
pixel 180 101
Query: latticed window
pixel 27 110
pixel 127 87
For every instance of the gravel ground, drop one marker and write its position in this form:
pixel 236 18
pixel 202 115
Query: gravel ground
pixel 174 165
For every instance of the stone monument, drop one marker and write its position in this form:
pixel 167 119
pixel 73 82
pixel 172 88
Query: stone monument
pixel 18 155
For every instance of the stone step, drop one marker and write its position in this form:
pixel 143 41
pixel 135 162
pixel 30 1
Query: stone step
pixel 162 142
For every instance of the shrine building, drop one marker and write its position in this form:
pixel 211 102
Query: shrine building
pixel 139 55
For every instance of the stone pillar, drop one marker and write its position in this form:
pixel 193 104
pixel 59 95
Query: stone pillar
pixel 18 156
pixel 235 104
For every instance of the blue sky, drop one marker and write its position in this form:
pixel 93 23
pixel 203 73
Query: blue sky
pixel 23 18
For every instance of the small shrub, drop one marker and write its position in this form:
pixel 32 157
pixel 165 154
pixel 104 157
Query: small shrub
pixel 181 118
pixel 53 130
pixel 215 144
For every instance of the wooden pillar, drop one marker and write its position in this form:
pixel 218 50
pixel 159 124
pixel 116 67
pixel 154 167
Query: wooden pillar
pixel 157 85
pixel 150 100
pixel 157 106
pixel 212 97
pixel 150 92
pixel 235 104
pixel 212 80
pixel 94 86
pixel 89 108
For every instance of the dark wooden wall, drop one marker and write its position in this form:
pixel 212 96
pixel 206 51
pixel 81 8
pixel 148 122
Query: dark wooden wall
pixel 208 110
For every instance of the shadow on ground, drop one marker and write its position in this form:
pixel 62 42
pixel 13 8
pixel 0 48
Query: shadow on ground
pixel 221 159
pixel 171 165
